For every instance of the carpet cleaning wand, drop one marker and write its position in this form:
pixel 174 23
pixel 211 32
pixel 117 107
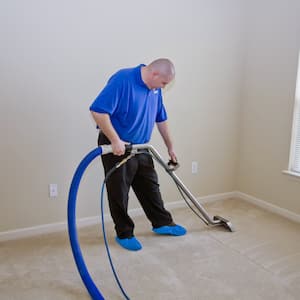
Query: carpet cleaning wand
pixel 170 168
pixel 72 228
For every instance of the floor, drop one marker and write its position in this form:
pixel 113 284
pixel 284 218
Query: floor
pixel 259 261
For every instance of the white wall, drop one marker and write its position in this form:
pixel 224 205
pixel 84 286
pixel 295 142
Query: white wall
pixel 57 55
pixel 273 44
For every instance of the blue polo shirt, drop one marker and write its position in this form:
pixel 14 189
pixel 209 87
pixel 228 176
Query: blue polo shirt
pixel 133 108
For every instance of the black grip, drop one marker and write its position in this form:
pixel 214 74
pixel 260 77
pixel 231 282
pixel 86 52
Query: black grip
pixel 128 148
pixel 173 165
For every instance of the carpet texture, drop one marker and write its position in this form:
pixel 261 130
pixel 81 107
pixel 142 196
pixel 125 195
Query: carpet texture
pixel 259 261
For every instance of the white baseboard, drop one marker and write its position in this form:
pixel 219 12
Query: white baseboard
pixel 268 206
pixel 48 228
pixel 83 222
pixel 62 226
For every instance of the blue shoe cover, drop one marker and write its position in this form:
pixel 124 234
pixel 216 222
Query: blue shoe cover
pixel 131 244
pixel 176 230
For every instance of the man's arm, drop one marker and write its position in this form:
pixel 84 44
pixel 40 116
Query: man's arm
pixel 164 132
pixel 104 123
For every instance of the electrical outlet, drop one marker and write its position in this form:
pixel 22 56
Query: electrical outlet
pixel 53 190
pixel 194 167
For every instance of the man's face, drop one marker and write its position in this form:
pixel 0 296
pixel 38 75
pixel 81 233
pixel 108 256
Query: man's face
pixel 160 81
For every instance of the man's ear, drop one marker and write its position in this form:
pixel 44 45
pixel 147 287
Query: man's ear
pixel 155 74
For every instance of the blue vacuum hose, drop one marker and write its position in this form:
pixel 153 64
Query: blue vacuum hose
pixel 85 276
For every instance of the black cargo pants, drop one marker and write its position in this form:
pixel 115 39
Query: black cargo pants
pixel 138 173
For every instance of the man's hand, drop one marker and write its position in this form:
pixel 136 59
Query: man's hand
pixel 104 123
pixel 172 155
pixel 118 147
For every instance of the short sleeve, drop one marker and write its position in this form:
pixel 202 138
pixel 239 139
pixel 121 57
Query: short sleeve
pixel 161 111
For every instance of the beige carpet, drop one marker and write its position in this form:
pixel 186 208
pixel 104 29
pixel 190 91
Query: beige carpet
pixel 261 260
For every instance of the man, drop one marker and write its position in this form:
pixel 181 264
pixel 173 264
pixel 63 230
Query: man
pixel 125 112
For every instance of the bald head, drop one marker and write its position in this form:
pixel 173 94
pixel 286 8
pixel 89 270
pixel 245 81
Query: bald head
pixel 164 66
pixel 158 73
